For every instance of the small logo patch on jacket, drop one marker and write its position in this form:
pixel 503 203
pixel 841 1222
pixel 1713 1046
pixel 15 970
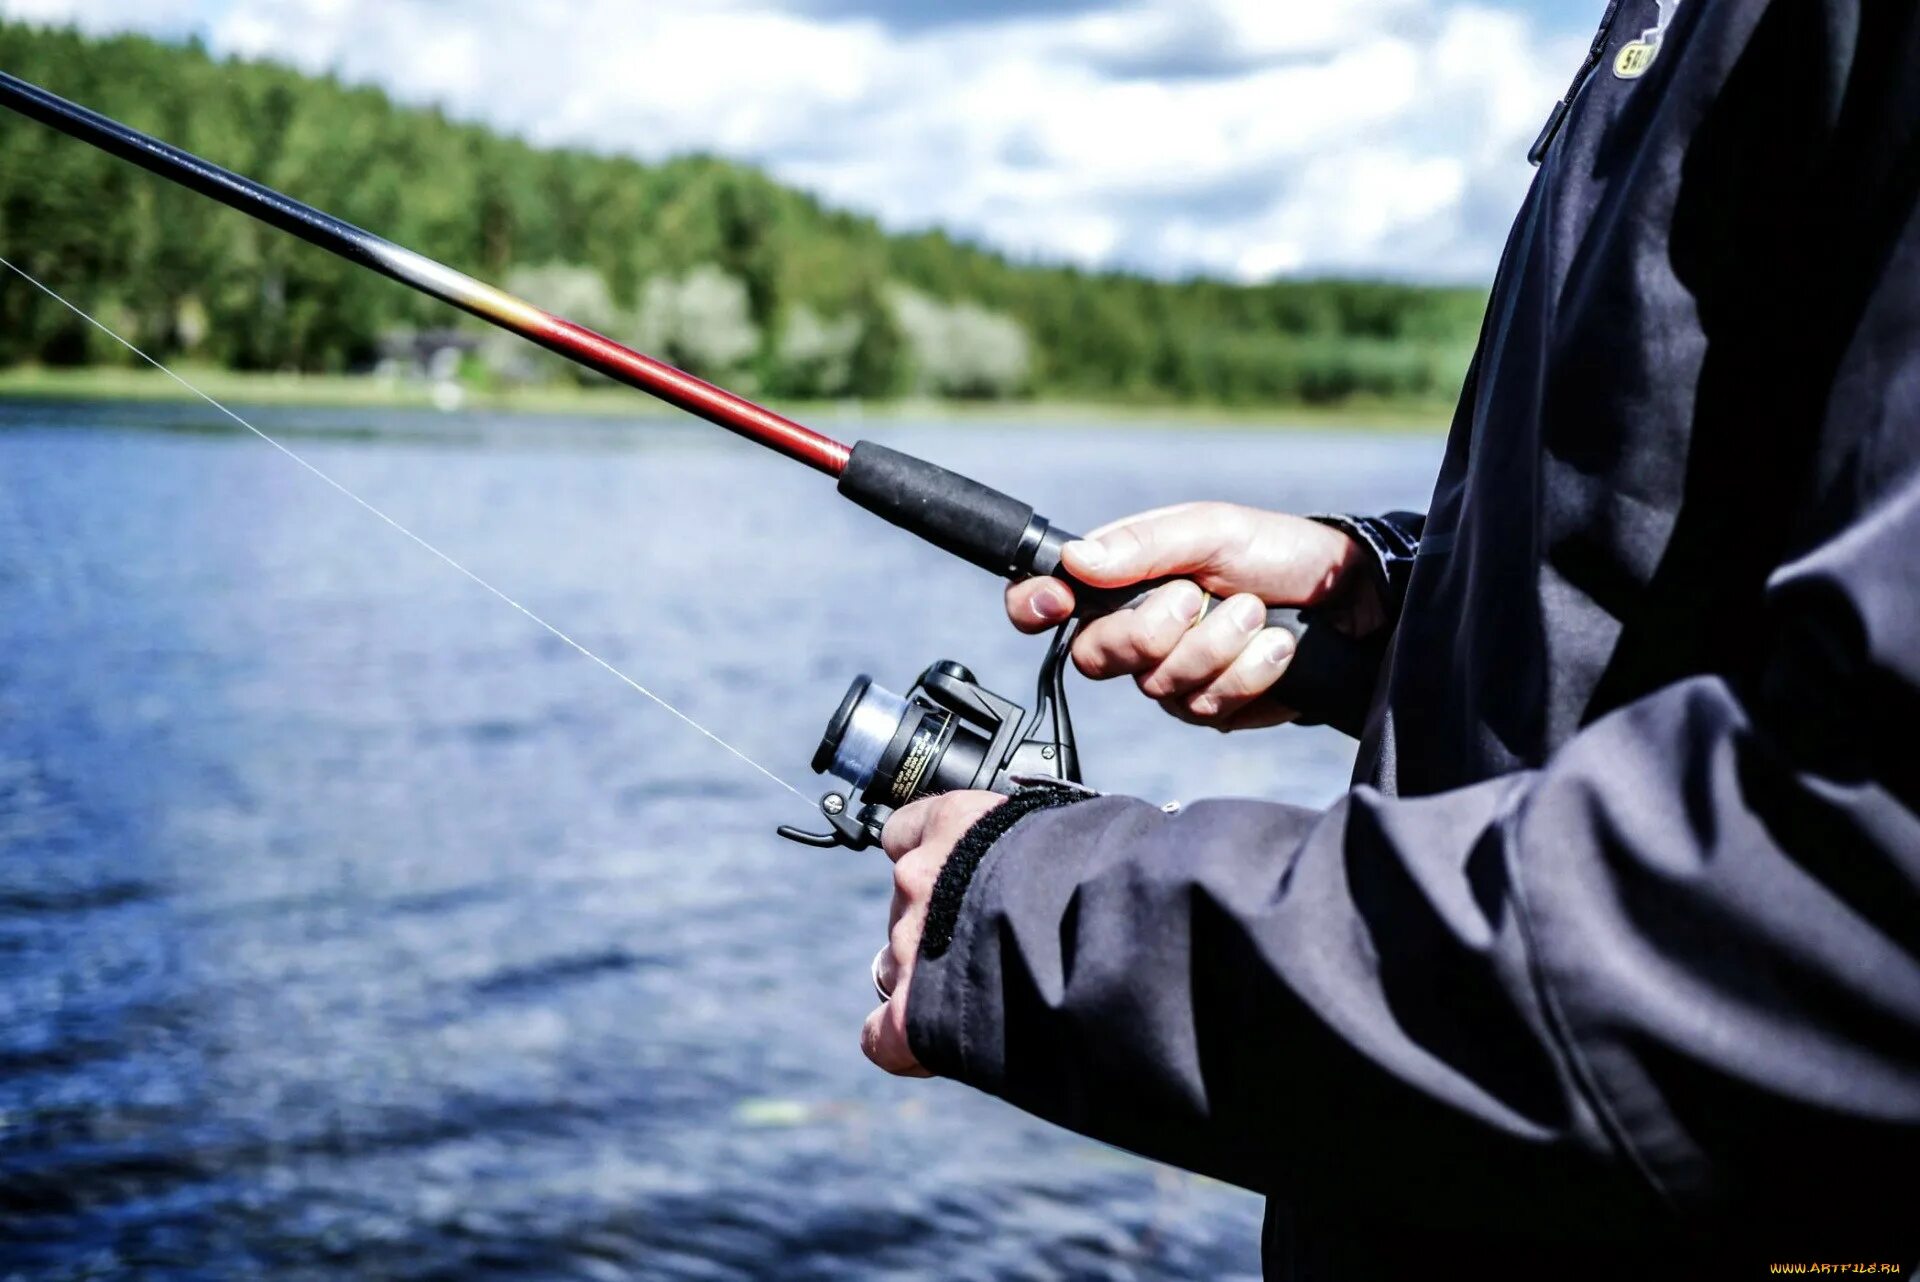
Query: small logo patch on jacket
pixel 1635 58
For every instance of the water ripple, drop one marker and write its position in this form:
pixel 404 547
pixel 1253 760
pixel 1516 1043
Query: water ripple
pixel 350 927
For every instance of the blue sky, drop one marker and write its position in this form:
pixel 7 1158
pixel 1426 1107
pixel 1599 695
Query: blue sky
pixel 1243 138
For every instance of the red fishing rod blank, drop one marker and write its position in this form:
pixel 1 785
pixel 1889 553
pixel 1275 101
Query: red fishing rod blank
pixel 497 307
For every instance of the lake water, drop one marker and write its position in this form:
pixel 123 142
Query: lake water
pixel 351 926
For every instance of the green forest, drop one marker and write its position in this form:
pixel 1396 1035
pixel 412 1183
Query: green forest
pixel 707 263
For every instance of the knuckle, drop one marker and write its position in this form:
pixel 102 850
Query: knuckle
pixel 922 869
pixel 1156 684
pixel 1178 674
pixel 1233 688
pixel 901 834
pixel 1101 652
pixel 1213 525
pixel 1152 646
pixel 1229 694
pixel 1215 650
pixel 1214 647
pixel 1244 681
pixel 1130 540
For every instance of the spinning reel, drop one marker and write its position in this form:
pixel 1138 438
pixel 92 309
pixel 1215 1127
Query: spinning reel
pixel 947 733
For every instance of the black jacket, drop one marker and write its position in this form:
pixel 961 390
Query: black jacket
pixel 1609 965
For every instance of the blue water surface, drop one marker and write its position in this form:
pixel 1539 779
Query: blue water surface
pixel 352 926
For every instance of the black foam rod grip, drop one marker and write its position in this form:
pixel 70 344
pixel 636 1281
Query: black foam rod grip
pixel 954 513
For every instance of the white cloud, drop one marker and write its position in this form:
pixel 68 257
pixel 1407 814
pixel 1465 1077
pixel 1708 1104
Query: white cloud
pixel 155 15
pixel 1244 137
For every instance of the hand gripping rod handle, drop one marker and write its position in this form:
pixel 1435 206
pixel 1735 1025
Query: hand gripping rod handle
pixel 1330 673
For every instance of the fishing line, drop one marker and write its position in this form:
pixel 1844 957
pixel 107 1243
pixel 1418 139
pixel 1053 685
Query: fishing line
pixel 54 294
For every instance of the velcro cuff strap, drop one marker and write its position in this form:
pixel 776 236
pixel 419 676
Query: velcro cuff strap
pixel 950 891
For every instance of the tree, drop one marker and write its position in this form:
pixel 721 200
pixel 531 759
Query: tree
pixel 735 275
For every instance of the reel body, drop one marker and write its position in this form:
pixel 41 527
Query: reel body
pixel 946 734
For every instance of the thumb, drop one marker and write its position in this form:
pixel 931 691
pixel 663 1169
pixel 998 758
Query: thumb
pixel 1181 541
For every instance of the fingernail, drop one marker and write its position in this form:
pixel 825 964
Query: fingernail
pixel 1204 706
pixel 1249 613
pixel 1048 604
pixel 1087 552
pixel 1184 601
pixel 1279 647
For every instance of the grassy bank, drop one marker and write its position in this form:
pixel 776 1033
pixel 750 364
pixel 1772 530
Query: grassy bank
pixel 341 392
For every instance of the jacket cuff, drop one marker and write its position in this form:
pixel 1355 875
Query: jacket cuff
pixel 936 1007
pixel 1392 541
pixel 950 891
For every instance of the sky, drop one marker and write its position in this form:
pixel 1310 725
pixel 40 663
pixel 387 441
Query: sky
pixel 1238 138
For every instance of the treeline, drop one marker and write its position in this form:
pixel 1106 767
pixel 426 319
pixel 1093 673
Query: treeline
pixel 706 262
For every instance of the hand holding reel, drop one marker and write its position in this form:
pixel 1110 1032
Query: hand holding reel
pixel 949 733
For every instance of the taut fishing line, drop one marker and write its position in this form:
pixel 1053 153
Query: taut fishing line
pixel 54 294
pixel 948 732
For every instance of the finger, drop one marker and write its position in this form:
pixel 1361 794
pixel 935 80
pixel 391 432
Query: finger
pixel 915 872
pixel 883 1038
pixel 957 812
pixel 1189 539
pixel 1208 649
pixel 907 826
pixel 903 942
pixel 1225 548
pixel 1035 605
pixel 1261 662
pixel 1136 640
pixel 1255 716
pixel 913 880
pixel 888 968
pixel 1149 515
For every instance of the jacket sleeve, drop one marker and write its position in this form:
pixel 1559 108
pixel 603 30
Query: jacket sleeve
pixel 1392 541
pixel 1678 966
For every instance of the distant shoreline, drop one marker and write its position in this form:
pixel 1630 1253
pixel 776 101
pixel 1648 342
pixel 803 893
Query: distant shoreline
pixel 337 391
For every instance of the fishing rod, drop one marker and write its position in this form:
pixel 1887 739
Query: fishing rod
pixel 948 731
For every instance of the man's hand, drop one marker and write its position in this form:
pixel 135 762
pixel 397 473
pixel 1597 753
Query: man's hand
pixel 1211 672
pixel 918 839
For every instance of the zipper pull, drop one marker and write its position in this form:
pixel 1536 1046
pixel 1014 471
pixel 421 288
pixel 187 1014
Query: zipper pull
pixel 1558 117
pixel 1538 152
